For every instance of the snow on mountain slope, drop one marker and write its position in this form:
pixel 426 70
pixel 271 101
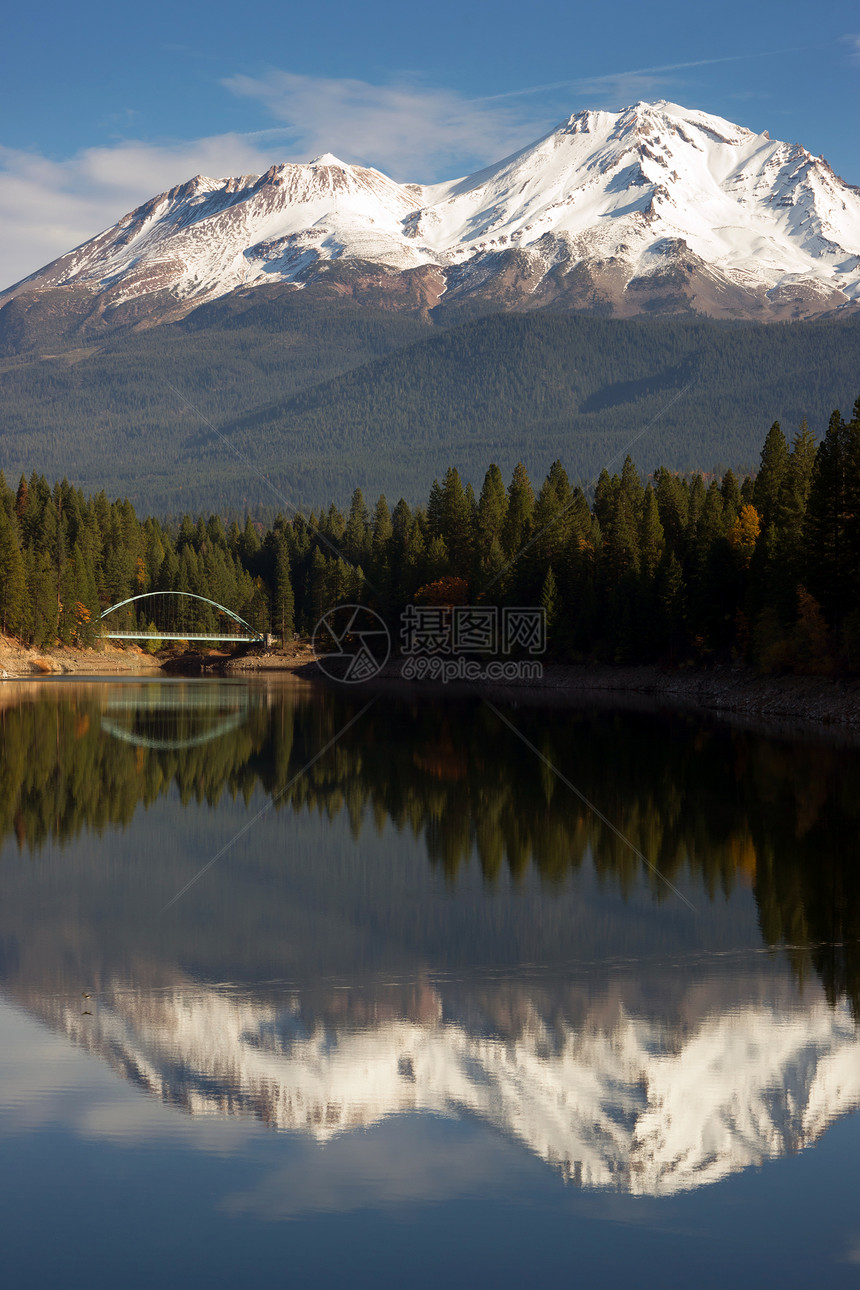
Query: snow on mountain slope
pixel 209 236
pixel 621 184
pixel 656 206
pixel 635 1104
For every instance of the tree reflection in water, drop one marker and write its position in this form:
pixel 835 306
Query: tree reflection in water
pixel 705 802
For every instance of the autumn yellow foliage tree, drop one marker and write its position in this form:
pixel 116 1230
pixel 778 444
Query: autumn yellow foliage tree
pixel 743 534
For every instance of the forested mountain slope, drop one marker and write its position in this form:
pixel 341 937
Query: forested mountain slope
pixel 320 394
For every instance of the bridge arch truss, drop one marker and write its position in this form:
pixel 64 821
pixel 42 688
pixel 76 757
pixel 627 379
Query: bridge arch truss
pixel 253 635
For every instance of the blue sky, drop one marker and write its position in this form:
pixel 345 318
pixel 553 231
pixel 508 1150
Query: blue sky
pixel 104 105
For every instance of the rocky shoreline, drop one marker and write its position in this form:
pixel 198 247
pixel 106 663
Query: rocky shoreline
pixel 18 661
pixel 789 701
pixel 720 689
pixel 780 704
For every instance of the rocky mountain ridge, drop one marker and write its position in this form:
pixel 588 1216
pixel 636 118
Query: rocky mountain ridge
pixel 654 209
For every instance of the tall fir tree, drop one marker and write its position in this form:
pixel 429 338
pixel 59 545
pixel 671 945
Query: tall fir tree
pixel 517 524
pixel 772 472
pixel 831 570
pixel 283 600
pixel 357 534
pixel 457 522
pixel 492 512
pixel 13 581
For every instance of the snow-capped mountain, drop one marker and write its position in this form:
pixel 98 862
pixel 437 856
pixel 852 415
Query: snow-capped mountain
pixel 655 207
pixel 622 1101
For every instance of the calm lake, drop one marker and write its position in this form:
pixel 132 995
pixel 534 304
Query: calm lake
pixel 303 985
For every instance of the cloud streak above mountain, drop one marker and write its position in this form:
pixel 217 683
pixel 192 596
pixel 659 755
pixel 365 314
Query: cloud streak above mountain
pixel 47 206
pixel 414 132
pixel 649 76
pixel 409 130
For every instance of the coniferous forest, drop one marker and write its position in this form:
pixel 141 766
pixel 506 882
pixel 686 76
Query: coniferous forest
pixel 764 569
pixel 320 395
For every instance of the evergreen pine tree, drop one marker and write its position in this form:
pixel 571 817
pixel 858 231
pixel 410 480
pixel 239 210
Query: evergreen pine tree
pixel 435 509
pixel 605 493
pixel 84 606
pixel 13 583
pixel 21 498
pixel 356 535
pixel 335 524
pixel 283 601
pixel 317 586
pixel 672 505
pixel 250 544
pixel 830 578
pixel 631 488
pixel 517 525
pixel 401 522
pixel 187 533
pixel 437 563
pixel 550 602
pixel 381 558
pixel 772 471
pixel 671 603
pixel 415 572
pixel 696 495
pixel 554 516
pixel 779 564
pixel 731 495
pixel 42 615
pixel 383 531
pixel 492 511
pixel 651 537
pixel 457 521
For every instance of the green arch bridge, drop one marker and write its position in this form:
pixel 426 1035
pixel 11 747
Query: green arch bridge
pixel 253 636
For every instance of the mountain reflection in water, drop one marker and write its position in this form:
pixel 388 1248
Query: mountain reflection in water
pixel 632 1103
pixel 428 920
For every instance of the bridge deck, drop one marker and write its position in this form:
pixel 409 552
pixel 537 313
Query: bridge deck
pixel 177 636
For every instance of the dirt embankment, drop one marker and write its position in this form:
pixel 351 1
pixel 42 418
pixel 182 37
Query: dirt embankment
pixel 20 660
pixel 294 656
pixel 17 660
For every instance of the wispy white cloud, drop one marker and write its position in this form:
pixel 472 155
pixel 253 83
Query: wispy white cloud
pixel 411 131
pixel 47 207
pixel 392 1165
pixel 621 89
pixel 623 86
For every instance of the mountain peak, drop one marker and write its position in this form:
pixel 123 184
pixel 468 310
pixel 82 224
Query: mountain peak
pixel 328 159
pixel 654 207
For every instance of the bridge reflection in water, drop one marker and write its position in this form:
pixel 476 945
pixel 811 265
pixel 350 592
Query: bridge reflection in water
pixel 151 718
